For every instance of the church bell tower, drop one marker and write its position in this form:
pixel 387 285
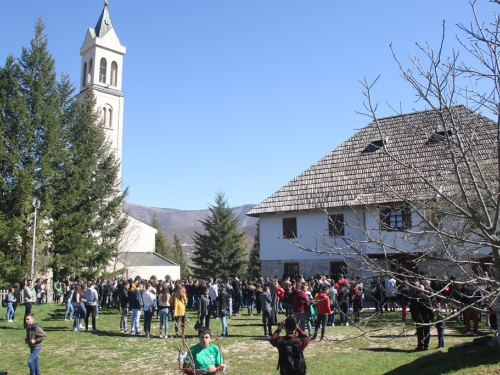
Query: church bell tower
pixel 102 69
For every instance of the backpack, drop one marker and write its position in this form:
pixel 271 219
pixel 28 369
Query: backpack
pixel 292 362
pixel 4 302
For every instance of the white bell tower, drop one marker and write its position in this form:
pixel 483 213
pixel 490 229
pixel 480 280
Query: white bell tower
pixel 102 68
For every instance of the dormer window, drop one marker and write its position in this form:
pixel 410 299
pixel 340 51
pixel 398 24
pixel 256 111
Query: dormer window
pixel 439 136
pixel 374 146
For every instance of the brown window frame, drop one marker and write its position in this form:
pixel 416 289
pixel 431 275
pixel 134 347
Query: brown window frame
pixel 395 218
pixel 338 267
pixel 336 225
pixel 289 227
pixel 292 265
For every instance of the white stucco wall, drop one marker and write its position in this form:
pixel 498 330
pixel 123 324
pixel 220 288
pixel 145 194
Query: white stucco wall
pixel 138 237
pixel 311 226
pixel 159 271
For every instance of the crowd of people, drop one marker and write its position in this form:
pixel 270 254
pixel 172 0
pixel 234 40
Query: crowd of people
pixel 314 304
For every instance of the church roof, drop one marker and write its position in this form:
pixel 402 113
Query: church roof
pixel 359 172
pixel 139 259
pixel 104 24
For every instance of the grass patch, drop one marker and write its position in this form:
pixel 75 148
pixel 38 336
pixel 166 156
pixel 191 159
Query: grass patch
pixel 377 346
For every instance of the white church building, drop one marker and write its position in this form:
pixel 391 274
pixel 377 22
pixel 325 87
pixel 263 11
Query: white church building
pixel 102 71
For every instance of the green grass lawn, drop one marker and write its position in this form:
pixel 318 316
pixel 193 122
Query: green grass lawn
pixel 377 346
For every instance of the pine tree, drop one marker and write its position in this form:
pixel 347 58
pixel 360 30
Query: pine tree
pixel 254 267
pixel 162 246
pixel 53 148
pixel 30 129
pixel 179 257
pixel 219 250
pixel 12 217
pixel 88 219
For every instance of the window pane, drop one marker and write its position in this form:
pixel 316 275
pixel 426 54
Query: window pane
pixel 290 227
pixel 336 225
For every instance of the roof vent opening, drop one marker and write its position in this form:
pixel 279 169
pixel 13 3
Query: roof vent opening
pixel 375 146
pixel 439 136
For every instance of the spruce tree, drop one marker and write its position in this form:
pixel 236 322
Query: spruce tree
pixel 179 257
pixel 254 267
pixel 52 147
pixel 12 218
pixel 162 246
pixel 30 112
pixel 219 249
pixel 88 220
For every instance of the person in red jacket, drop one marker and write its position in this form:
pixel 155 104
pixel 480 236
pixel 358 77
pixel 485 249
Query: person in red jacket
pixel 323 305
pixel 300 306
pixel 280 294
pixel 294 337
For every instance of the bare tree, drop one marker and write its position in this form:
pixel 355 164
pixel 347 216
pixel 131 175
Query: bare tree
pixel 434 204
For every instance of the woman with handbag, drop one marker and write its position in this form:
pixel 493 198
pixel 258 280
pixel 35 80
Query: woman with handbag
pixel 149 308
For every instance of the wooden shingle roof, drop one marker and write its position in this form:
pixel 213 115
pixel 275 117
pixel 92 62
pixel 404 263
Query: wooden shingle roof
pixel 359 173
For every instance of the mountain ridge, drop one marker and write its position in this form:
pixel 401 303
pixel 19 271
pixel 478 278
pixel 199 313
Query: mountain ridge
pixel 185 223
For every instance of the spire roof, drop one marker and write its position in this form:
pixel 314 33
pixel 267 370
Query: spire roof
pixel 104 24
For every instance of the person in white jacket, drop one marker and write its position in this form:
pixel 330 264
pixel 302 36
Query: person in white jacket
pixel 29 298
pixel 91 298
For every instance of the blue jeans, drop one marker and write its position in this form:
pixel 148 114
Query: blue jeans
pixel 163 314
pixel 80 313
pixel 441 337
pixel 10 311
pixel 147 320
pixel 205 320
pixel 69 310
pixel 301 318
pixel 251 304
pixel 229 306
pixel 134 323
pixel 288 308
pixel 33 361
pixel 223 320
pixel 123 319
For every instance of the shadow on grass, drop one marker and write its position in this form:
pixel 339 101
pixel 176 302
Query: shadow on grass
pixel 449 361
pixel 388 350
pixel 51 329
pixel 12 328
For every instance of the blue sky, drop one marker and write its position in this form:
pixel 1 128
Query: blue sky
pixel 240 95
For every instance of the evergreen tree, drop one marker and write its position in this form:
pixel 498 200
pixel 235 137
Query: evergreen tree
pixel 179 257
pixel 162 246
pixel 30 112
pixel 219 250
pixel 53 148
pixel 254 267
pixel 88 219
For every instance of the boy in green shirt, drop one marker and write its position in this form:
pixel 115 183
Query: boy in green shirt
pixel 206 356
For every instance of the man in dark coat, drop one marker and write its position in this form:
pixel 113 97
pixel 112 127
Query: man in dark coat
pixel 34 338
pixel 422 308
pixel 471 297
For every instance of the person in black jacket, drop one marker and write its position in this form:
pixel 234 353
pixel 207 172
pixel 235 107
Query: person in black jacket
pixel 471 297
pixel 135 304
pixel 34 338
pixel 124 307
pixel 223 303
pixel 422 309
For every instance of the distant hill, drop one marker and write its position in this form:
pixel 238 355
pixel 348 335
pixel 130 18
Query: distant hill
pixel 185 223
